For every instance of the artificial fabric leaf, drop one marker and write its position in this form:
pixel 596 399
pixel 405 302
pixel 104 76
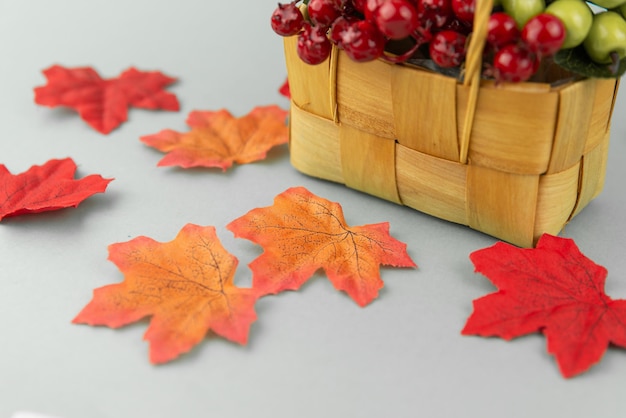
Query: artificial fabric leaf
pixel 554 289
pixel 48 187
pixel 185 285
pixel 218 139
pixel 104 103
pixel 302 233
pixel 578 62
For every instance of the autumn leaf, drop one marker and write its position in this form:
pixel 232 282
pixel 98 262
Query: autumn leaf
pixel 45 188
pixel 302 233
pixel 103 103
pixel 285 90
pixel 218 139
pixel 554 289
pixel 185 286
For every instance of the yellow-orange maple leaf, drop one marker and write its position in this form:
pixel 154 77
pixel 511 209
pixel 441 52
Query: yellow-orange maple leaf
pixel 185 285
pixel 218 139
pixel 302 233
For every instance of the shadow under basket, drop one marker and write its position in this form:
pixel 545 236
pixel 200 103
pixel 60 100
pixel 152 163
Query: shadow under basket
pixel 513 161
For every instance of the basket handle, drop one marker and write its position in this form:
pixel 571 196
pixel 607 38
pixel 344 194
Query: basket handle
pixel 473 67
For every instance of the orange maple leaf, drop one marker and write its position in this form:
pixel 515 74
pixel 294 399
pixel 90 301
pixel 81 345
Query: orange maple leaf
pixel 185 285
pixel 218 139
pixel 302 233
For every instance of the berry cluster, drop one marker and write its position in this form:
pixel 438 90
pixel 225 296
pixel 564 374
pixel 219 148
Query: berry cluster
pixel 365 28
pixel 515 53
pixel 521 33
pixel 548 26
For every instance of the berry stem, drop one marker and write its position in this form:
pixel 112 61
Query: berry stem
pixel 614 65
pixel 419 41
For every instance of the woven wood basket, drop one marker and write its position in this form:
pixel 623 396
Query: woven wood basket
pixel 513 160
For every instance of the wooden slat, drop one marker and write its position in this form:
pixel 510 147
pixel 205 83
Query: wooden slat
pixel 556 200
pixel 368 163
pixel 432 185
pixel 314 145
pixel 310 85
pixel 593 173
pixel 601 114
pixel 429 127
pixel 572 125
pixel 502 204
pixel 512 130
pixel 364 96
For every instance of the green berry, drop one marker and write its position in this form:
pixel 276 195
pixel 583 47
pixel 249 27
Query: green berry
pixel 523 10
pixel 576 16
pixel 606 40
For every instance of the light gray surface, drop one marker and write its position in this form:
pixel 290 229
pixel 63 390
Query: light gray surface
pixel 312 353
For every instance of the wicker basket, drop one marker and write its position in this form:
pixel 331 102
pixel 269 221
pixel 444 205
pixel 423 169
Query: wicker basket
pixel 513 161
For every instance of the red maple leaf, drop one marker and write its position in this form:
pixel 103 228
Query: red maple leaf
pixel 103 103
pixel 302 233
pixel 218 139
pixel 185 286
pixel 285 90
pixel 554 289
pixel 44 188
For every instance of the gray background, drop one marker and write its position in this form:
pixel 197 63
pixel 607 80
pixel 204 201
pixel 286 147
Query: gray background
pixel 312 353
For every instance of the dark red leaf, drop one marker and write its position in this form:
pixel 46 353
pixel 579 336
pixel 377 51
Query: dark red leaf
pixel 554 289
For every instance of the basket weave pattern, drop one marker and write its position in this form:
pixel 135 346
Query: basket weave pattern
pixel 530 158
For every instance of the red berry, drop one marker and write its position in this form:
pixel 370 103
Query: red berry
pixel 339 26
pixel 362 41
pixel 501 30
pixel 323 12
pixel 370 8
pixel 447 48
pixel 359 5
pixel 544 34
pixel 514 63
pixel 396 19
pixel 458 25
pixel 287 19
pixel 339 29
pixel 434 13
pixel 313 45
pixel 464 9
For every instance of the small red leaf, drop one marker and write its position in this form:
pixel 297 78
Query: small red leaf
pixel 103 103
pixel 284 89
pixel 554 289
pixel 44 188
